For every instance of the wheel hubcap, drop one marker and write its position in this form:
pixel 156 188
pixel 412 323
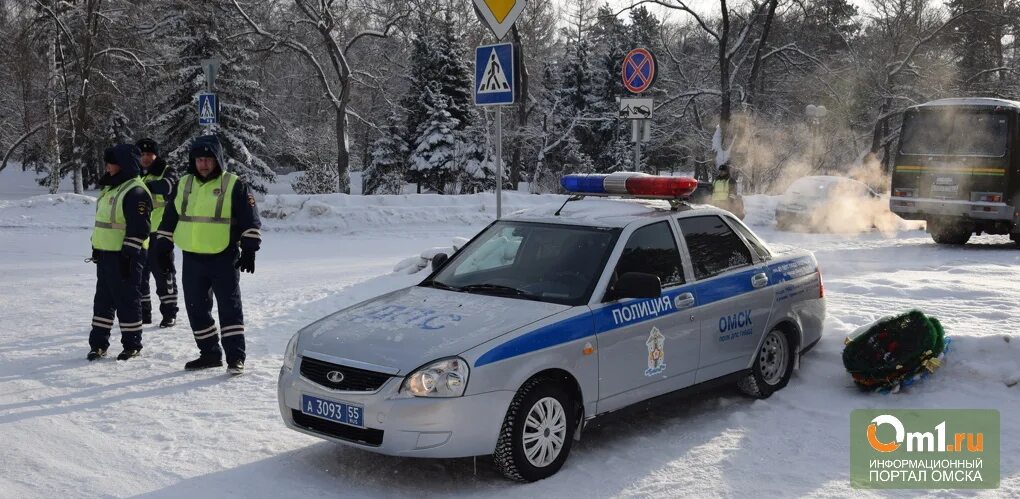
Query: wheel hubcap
pixel 773 357
pixel 545 432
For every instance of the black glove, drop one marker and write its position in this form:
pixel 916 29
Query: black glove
pixel 127 259
pixel 95 256
pixel 247 262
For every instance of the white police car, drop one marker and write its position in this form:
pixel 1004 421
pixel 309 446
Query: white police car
pixel 549 318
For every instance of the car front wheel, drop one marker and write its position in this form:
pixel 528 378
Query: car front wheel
pixel 773 366
pixel 537 432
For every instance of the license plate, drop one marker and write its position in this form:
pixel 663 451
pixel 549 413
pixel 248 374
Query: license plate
pixel 948 189
pixel 340 412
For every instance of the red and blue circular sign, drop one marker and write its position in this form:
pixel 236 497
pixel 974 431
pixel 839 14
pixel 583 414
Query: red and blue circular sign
pixel 638 70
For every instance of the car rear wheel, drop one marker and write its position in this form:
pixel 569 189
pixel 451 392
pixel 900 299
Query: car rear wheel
pixel 948 234
pixel 537 432
pixel 773 366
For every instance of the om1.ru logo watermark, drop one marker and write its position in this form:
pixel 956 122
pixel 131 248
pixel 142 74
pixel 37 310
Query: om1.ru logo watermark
pixel 924 448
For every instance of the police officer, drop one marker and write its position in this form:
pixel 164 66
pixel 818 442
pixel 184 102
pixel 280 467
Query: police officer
pixel 161 181
pixel 724 191
pixel 119 240
pixel 214 221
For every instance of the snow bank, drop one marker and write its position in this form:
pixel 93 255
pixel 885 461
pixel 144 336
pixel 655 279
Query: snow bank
pixel 49 210
pixel 347 212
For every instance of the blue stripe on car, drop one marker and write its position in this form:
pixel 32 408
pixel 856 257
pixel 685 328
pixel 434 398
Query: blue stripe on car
pixel 602 319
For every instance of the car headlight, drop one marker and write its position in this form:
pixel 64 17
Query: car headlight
pixel 290 355
pixel 442 378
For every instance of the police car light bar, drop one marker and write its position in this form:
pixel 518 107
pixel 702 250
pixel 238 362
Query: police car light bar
pixel 629 184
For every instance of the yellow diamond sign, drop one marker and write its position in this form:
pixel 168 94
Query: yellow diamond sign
pixel 499 15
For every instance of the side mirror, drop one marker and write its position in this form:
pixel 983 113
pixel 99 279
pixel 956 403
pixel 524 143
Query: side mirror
pixel 438 260
pixel 637 285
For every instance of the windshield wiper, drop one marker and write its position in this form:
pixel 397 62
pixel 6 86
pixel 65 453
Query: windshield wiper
pixel 497 289
pixel 440 285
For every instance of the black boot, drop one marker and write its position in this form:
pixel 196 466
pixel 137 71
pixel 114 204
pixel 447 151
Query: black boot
pixel 168 321
pixel 129 353
pixel 204 362
pixel 235 367
pixel 96 354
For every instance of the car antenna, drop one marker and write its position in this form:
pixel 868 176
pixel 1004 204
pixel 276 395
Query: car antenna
pixel 571 198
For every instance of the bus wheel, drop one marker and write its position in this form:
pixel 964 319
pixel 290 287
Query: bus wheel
pixel 944 233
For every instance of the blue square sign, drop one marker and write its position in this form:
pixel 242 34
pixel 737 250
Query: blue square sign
pixel 208 109
pixel 494 75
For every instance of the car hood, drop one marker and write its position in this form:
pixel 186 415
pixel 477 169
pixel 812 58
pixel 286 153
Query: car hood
pixel 405 329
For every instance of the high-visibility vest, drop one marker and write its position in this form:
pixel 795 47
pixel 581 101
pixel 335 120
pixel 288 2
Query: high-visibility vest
pixel 111 226
pixel 721 189
pixel 204 213
pixel 158 202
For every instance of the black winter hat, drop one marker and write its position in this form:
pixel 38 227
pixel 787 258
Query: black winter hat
pixel 148 145
pixel 109 156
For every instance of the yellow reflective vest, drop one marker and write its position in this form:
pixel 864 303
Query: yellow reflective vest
pixel 721 189
pixel 111 226
pixel 158 202
pixel 204 213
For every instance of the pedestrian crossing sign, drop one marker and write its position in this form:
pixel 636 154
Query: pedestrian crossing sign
pixel 207 108
pixel 495 71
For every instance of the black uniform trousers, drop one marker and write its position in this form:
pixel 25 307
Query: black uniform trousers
pixel 117 295
pixel 204 277
pixel 166 284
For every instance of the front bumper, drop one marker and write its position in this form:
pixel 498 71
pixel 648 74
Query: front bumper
pixel 397 425
pixel 922 208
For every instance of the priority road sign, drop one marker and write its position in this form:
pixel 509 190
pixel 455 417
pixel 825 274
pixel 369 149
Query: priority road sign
pixel 208 109
pixel 638 70
pixel 495 75
pixel 500 15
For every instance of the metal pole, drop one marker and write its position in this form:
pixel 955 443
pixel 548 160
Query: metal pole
pixel 636 135
pixel 499 162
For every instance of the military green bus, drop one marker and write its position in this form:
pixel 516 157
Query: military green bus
pixel 958 168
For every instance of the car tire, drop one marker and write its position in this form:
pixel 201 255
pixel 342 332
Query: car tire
pixel 545 402
pixel 949 234
pixel 773 366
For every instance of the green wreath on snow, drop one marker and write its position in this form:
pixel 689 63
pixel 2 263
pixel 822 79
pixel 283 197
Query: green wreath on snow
pixel 895 351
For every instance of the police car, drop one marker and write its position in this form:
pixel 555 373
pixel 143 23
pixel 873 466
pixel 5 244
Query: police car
pixel 551 317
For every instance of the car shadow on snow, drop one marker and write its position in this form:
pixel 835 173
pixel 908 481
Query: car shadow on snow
pixel 652 449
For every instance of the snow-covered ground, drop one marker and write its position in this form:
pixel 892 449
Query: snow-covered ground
pixel 145 427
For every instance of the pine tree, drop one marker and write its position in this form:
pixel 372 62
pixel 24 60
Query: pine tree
pixel 435 153
pixel 196 34
pixel 385 174
pixel 479 169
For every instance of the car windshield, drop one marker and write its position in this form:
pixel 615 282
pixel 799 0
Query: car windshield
pixel 809 188
pixel 955 132
pixel 531 261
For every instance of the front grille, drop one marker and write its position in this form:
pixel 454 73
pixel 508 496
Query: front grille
pixel 354 379
pixel 366 436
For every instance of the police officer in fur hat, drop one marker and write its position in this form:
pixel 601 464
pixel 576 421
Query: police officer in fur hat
pixel 161 181
pixel 213 219
pixel 119 241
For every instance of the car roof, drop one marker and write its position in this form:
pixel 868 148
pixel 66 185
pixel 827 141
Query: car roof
pixel 824 179
pixel 970 101
pixel 609 212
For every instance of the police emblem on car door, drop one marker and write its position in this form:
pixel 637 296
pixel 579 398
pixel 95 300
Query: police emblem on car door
pixel 634 335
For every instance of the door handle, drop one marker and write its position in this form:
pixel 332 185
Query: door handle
pixel 759 280
pixel 684 300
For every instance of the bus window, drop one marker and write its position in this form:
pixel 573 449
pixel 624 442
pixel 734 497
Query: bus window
pixel 955 132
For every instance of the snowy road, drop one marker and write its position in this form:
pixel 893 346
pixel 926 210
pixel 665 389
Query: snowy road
pixel 145 427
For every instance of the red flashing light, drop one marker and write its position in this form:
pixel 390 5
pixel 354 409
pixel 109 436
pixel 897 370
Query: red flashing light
pixel 674 187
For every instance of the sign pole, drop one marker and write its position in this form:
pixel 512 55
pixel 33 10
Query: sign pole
pixel 499 162
pixel 636 135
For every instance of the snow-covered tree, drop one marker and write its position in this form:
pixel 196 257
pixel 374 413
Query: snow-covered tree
pixel 202 31
pixel 386 173
pixel 319 178
pixel 434 158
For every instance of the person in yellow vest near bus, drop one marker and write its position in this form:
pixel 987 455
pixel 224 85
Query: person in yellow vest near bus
pixel 161 181
pixel 725 194
pixel 119 242
pixel 212 218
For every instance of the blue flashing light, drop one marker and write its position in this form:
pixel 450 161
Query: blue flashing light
pixel 581 183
